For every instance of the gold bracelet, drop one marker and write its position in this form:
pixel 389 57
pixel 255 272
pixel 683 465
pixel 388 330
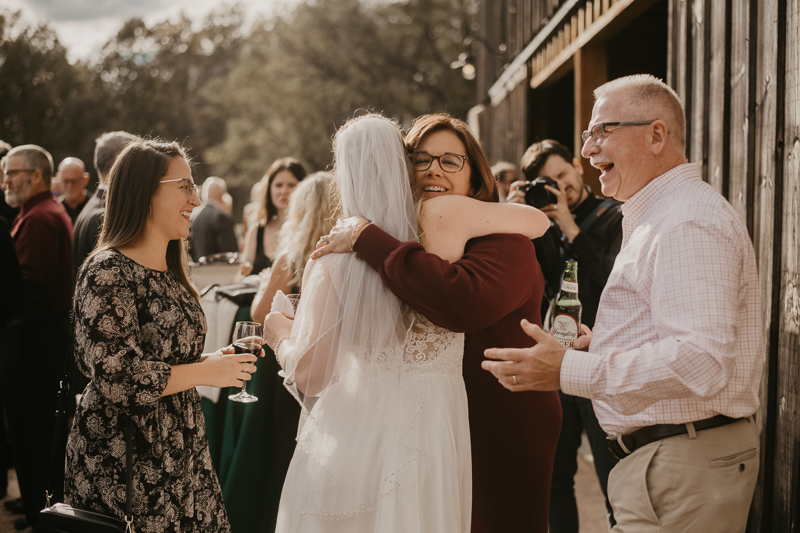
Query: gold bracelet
pixel 278 347
pixel 355 231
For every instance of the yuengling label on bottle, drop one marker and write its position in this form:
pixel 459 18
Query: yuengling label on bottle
pixel 565 329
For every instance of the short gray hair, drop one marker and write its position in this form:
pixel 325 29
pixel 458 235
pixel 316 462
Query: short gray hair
pixel 36 157
pixel 649 98
pixel 106 149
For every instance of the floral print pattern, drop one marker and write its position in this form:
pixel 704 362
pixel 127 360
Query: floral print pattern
pixel 131 325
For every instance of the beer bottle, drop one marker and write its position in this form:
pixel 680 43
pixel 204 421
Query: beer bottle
pixel 567 320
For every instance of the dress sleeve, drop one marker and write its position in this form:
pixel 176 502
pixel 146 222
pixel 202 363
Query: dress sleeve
pixel 492 279
pixel 108 346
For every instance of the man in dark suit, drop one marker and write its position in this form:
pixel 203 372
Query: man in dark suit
pixel 212 226
pixel 90 220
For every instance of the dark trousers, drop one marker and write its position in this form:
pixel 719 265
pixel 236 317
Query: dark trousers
pixel 578 415
pixel 31 373
pixel 9 341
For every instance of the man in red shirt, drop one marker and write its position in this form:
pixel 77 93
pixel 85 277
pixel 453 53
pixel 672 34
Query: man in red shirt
pixel 42 234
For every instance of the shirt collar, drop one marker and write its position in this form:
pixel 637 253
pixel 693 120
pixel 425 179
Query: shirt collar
pixel 34 200
pixel 645 198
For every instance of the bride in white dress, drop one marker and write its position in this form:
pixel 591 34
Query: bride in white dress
pixel 383 442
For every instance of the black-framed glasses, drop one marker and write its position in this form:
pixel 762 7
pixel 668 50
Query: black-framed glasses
pixel 189 188
pixel 447 162
pixel 598 131
pixel 11 173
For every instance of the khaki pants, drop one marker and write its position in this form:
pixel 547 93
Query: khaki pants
pixel 702 482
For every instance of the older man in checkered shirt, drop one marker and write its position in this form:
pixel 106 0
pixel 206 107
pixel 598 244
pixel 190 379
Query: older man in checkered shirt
pixel 674 364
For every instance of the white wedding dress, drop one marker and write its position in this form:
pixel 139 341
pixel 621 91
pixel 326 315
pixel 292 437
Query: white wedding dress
pixel 402 464
pixel 383 441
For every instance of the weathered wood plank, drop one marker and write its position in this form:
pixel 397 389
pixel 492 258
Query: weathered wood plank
pixel 719 94
pixel 766 126
pixel 590 68
pixel 679 53
pixel 787 437
pixel 673 10
pixel 698 121
pixel 740 124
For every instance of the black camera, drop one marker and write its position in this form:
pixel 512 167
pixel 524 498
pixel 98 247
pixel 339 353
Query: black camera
pixel 536 195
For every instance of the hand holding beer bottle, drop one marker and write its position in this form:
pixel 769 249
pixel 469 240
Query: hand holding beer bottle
pixel 567 319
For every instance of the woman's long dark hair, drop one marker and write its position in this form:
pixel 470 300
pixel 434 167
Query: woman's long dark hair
pixel 132 182
pixel 268 211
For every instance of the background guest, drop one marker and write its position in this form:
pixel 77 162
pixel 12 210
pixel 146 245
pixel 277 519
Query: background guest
pixel 212 227
pixel 12 302
pixel 42 234
pixel 505 174
pixel 250 210
pixel 309 217
pixel 73 178
pixel 90 220
pixel 261 242
pixel 261 448
pixel 6 211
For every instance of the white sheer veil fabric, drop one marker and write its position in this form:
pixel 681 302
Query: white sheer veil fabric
pixel 344 359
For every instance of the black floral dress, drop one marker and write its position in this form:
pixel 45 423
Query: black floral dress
pixel 132 324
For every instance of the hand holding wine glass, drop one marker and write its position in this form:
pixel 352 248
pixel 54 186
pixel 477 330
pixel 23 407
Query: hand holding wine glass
pixel 246 339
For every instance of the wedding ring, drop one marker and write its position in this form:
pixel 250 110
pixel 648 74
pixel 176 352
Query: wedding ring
pixel 514 377
pixel 325 239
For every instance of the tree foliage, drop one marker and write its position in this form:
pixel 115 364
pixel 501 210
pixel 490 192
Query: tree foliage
pixel 299 78
pixel 239 93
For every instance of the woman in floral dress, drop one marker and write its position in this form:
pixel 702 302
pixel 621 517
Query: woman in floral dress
pixel 139 332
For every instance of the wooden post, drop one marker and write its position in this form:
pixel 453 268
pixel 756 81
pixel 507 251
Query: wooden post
pixel 787 440
pixel 767 243
pixel 590 71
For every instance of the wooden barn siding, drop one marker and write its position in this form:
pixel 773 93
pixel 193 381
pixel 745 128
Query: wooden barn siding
pixel 736 65
pixel 513 23
pixel 507 138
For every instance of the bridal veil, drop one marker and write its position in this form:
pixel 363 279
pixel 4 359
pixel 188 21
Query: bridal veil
pixel 345 354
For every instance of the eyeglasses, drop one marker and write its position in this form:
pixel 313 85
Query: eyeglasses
pixel 69 182
pixel 598 131
pixel 447 162
pixel 11 173
pixel 189 188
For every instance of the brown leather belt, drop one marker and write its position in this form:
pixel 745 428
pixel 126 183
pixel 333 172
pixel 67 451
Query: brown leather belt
pixel 625 445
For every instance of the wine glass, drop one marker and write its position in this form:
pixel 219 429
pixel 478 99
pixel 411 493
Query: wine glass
pixel 246 339
pixel 294 299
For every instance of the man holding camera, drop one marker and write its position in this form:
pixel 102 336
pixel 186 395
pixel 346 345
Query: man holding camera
pixel 588 229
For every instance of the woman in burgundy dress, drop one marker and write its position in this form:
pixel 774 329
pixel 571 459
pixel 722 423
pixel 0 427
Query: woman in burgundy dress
pixel 485 294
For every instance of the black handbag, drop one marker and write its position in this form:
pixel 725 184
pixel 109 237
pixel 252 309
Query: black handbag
pixel 61 518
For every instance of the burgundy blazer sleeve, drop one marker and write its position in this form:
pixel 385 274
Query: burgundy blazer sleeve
pixel 487 283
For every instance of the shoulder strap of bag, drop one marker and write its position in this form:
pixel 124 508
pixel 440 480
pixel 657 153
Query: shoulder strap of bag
pixel 59 436
pixel 595 214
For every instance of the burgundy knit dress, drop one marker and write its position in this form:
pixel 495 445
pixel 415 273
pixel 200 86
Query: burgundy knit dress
pixel 485 294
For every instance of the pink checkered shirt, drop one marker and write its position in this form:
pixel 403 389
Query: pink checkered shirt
pixel 678 332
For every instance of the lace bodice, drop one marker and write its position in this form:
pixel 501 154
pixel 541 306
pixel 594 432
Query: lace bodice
pixel 431 350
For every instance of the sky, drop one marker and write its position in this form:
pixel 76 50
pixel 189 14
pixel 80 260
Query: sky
pixel 84 26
